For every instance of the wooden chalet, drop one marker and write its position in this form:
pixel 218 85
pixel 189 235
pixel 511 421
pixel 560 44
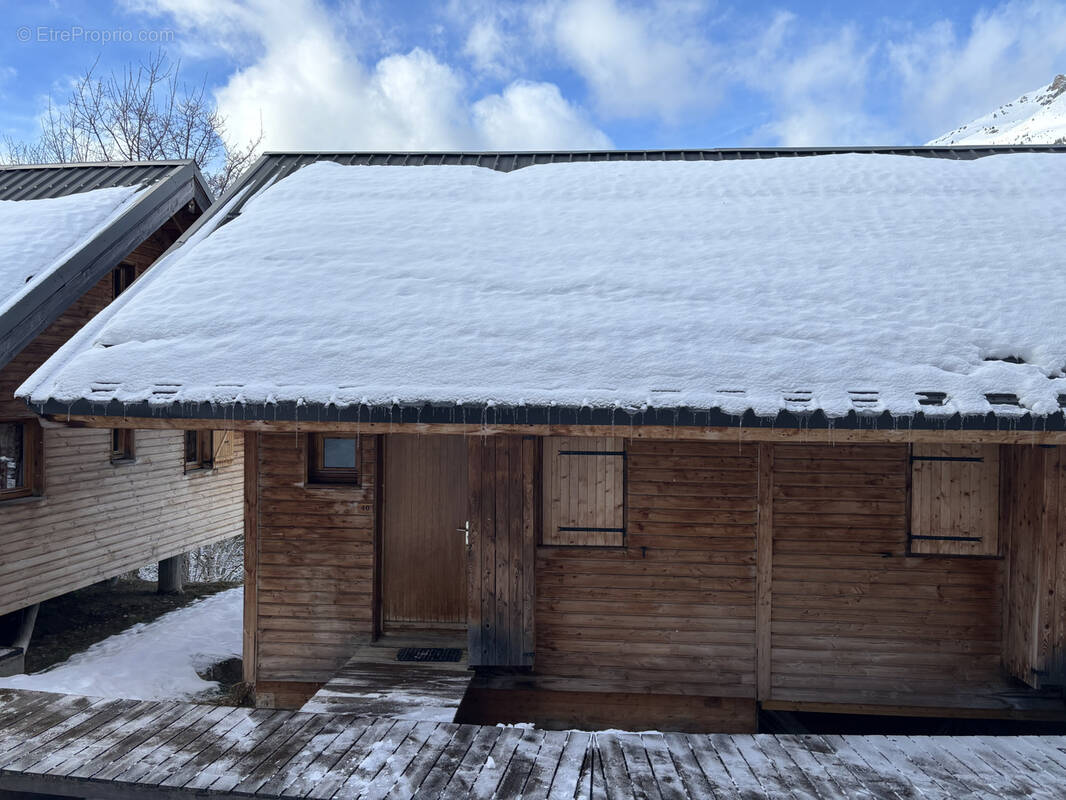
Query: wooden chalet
pixel 894 545
pixel 79 505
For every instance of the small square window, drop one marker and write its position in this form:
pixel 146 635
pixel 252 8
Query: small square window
pixel 333 459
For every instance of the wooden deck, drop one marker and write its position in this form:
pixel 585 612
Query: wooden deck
pixel 83 747
pixel 373 683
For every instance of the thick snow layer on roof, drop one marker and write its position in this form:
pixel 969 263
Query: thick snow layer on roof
pixel 38 236
pixel 762 284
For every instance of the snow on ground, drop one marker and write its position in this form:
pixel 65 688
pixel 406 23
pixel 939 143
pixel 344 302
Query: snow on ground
pixel 1037 117
pixel 734 285
pixel 37 236
pixel 151 661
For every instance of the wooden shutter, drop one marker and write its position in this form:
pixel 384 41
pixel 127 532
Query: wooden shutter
pixel 955 500
pixel 221 448
pixel 584 491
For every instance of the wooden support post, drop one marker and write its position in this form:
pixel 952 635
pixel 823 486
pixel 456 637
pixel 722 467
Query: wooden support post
pixel 251 554
pixel 172 574
pixel 764 551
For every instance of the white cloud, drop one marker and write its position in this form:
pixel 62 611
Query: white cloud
pixel 947 78
pixel 304 81
pixel 637 60
pixel 532 116
pixel 815 85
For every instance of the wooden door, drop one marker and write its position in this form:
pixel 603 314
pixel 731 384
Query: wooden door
pixel 423 554
pixel 502 550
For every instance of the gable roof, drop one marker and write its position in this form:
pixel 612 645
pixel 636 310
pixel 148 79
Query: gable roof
pixel 64 226
pixel 842 286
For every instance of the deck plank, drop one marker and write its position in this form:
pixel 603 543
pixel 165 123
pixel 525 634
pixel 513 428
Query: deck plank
pixel 497 761
pixel 694 783
pixel 191 730
pixel 91 746
pixel 794 776
pixel 226 765
pixel 564 783
pixel 299 730
pixel 127 749
pixel 441 770
pixel 171 760
pixel 466 771
pixel 61 733
pixel 394 767
pixel 154 740
pixel 516 774
pixel 382 735
pixel 736 768
pixel 299 775
pixel 37 724
pixel 410 781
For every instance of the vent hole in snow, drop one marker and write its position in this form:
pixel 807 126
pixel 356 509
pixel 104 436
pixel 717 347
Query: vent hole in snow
pixel 1002 399
pixel 932 398
pixel 1007 359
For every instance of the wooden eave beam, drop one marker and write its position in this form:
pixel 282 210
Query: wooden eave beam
pixel 680 433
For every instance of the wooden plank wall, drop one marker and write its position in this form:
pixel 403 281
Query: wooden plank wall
pixel 853 620
pixel 672 612
pixel 502 550
pixel 95 519
pixel 1034 524
pixel 316 563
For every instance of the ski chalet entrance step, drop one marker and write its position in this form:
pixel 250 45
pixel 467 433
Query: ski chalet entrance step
pixel 375 683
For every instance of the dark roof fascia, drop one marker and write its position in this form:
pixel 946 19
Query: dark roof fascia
pixel 545 415
pixel 43 304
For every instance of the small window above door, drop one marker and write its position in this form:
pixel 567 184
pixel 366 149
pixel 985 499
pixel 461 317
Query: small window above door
pixel 333 459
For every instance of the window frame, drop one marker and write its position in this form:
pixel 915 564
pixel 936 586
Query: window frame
pixel 318 474
pixel 123 446
pixel 204 458
pixel 32 460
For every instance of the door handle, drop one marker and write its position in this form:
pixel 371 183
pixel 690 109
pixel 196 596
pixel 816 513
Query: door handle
pixel 465 530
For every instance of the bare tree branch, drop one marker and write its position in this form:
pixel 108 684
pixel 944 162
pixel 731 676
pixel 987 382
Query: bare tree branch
pixel 142 112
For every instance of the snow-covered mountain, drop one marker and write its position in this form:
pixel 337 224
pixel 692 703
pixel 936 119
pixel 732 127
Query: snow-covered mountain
pixel 1035 118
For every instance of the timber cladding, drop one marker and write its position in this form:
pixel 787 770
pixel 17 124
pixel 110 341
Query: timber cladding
pixel 855 621
pixel 315 577
pixel 95 519
pixel 673 611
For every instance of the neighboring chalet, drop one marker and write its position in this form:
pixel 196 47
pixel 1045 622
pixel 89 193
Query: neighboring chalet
pixel 79 505
pixel 662 437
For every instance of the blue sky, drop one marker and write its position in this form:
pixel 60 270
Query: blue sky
pixel 316 74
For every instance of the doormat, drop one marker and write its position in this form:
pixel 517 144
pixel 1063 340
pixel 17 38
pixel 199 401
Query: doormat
pixel 437 654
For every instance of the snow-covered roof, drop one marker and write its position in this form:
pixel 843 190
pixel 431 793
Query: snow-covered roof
pixel 64 226
pixel 847 284
pixel 38 236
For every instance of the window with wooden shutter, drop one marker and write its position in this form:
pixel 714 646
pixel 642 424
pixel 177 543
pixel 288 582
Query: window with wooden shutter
pixel 955 500
pixel 584 492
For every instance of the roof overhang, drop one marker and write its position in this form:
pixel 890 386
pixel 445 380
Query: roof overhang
pixel 42 305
